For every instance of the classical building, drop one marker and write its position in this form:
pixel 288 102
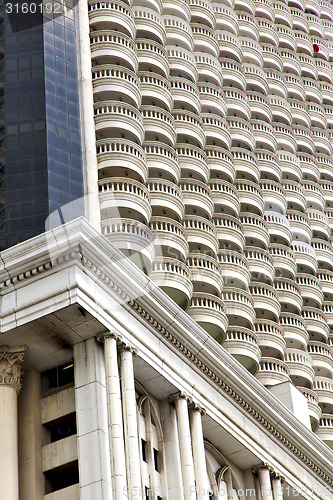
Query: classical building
pixel 166 274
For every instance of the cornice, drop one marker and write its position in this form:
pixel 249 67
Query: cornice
pixel 90 251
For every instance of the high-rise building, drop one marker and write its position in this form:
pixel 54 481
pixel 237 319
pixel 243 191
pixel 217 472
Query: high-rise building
pixel 166 216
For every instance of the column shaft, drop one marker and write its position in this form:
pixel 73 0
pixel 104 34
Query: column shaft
pixel 116 431
pixel 265 484
pixel 199 456
pixel 277 488
pixel 186 457
pixel 132 454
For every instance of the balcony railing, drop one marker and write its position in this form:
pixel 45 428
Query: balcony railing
pixel 242 343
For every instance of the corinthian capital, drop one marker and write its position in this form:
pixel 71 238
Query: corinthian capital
pixel 11 359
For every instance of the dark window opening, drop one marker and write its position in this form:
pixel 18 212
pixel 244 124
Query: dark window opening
pixel 144 450
pixel 61 477
pixel 156 460
pixel 58 377
pixel 61 427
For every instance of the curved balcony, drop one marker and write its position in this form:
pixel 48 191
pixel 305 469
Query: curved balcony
pixel 239 307
pixel 260 264
pixel 280 109
pixel 225 197
pixel 319 224
pixel 205 273
pixel 312 90
pixel 299 225
pixel 328 117
pixel 182 63
pixel 313 406
pixel 325 165
pixel 113 46
pixel 119 156
pixel 250 196
pixel 325 431
pixel 305 256
pixel 241 133
pixel 162 161
pixel 166 198
pixel 294 330
pixel 202 12
pixel 322 360
pixel 309 166
pixel 304 138
pixel 322 141
pixel 156 5
pixel 270 338
pixel 209 312
pixel 217 130
pixel 233 73
pixel 322 44
pixel 268 163
pixel 310 288
pixel 328 311
pixel 201 234
pixel 267 32
pixel 155 88
pixel 256 80
pixel 285 137
pixel 114 13
pixel 178 32
pixel 119 196
pixel 303 43
pixel 308 66
pixel 295 87
pixel 290 165
pixel 226 18
pixel 299 19
pixel 326 10
pixel 229 45
pixel 265 301
pixel 324 69
pixel 286 37
pixel 229 232
pixel 324 253
pixel 197 197
pixel 273 195
pixel 158 125
pixel 212 99
pixel 315 25
pixel 272 57
pixel 283 259
pixel 242 344
pixel 169 237
pixel 192 161
pixel 259 106
pixel 263 8
pixel 209 68
pixel 278 227
pixel 282 14
pixel 221 163
pixel 237 103
pixel 152 56
pixel 246 164
pixel 323 387
pixel 327 92
pixel 185 94
pixel 300 113
pixel 234 269
pixel 316 323
pixel 326 282
pixel 205 39
pixel 264 135
pixel 247 25
pixel 289 295
pixel 255 230
pixel 149 24
pixel 111 117
pixel 295 195
pixel 272 371
pixel 134 239
pixel 189 127
pixel 252 52
pixel 300 367
pixel 291 62
pixel 173 276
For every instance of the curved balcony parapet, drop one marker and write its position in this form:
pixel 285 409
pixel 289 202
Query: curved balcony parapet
pixel 239 307
pixel 112 116
pixel 326 281
pixel 283 259
pixel 225 196
pixel 313 406
pixel 178 32
pixel 102 14
pixel 242 343
pixel 256 79
pixel 158 122
pixel 183 62
pixel 192 160
pixel 209 68
pixel 295 194
pixel 289 295
pixel 310 289
pixel 202 11
pixel 255 229
pixel 209 312
pixel 281 110
pixel 282 13
pixel 272 57
pixel 201 234
pixel 319 223
pixel 265 301
pixel 233 73
pixel 305 256
pixel 316 322
pixel 245 163
pixel 290 165
pixel 260 264
pixel 264 8
pixel 325 430
pixel 169 237
pixel 229 231
pixel 161 157
pixel 221 163
pixel 234 268
pixel 113 45
pixel 205 273
pixel 229 45
pixel 267 31
pixel 322 360
pixel 294 330
pixel 279 227
pixel 212 99
pixel 250 195
pixel 268 163
pixel 300 367
pixel 299 225
pixel 324 253
pixel 185 93
pixel 217 130
pixel 272 371
pixel 226 18
pixel 149 22
pixel 173 276
pixel 152 54
pixel 117 155
pixel 189 127
pixel 166 198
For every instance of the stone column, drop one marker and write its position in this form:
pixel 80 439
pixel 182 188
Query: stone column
pixel 115 419
pixel 11 359
pixel 185 445
pixel 264 472
pixel 199 456
pixel 132 453
pixel 277 482
pixel 92 421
